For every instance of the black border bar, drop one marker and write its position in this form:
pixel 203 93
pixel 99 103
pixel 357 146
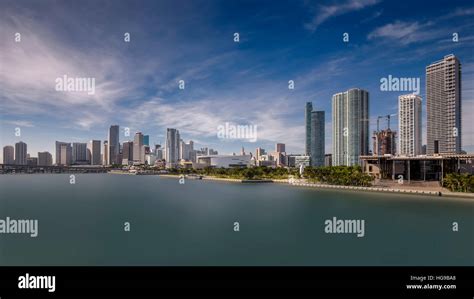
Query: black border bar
pixel 220 282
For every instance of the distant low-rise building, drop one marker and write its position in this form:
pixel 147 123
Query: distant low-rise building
pixel 297 160
pixel 32 161
pixel 150 159
pixel 267 163
pixel 225 161
pixel 45 159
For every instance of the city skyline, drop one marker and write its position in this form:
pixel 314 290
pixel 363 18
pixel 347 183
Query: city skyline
pixel 242 83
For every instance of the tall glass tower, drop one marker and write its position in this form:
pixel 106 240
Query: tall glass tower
pixel 443 104
pixel 307 116
pixel 350 121
pixel 113 145
pixel 172 148
pixel 317 138
pixel 138 153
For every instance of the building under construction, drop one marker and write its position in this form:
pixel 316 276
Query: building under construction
pixel 384 140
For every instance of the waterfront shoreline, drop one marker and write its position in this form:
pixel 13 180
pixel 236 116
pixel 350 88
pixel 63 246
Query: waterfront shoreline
pixel 461 196
pixel 406 191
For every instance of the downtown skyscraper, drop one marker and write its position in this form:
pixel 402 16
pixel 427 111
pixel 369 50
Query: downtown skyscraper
pixel 350 121
pixel 307 117
pixel 20 153
pixel 113 145
pixel 93 152
pixel 79 153
pixel 443 104
pixel 409 125
pixel 172 148
pixel 127 152
pixel 186 150
pixel 317 138
pixel 138 149
pixel 8 155
pixel 315 142
pixel 63 153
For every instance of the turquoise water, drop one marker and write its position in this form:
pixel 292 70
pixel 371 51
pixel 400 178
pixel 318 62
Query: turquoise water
pixel 193 224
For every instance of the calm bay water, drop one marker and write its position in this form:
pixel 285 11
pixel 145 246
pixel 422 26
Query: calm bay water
pixel 193 224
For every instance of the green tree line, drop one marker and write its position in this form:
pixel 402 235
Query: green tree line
pixel 338 175
pixel 253 173
pixel 334 175
pixel 459 182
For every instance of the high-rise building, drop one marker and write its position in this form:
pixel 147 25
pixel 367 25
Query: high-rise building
pixel 186 150
pixel 105 157
pixel 280 154
pixel 158 152
pixel 65 154
pixel 350 121
pixel 443 104
pixel 138 149
pixel 114 145
pixel 146 140
pixel 79 153
pixel 172 148
pixel 317 138
pixel 307 116
pixel 409 124
pixel 259 152
pixel 58 153
pixel 8 155
pixel 193 155
pixel 384 142
pixel 127 152
pixel 45 159
pixel 280 148
pixel 20 153
pixel 93 152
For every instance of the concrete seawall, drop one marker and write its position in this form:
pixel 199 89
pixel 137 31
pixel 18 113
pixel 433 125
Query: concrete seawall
pixel 349 188
pixel 378 189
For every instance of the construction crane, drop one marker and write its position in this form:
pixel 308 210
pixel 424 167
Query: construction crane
pixel 386 117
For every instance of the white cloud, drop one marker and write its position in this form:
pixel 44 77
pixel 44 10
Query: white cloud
pixel 30 68
pixel 406 32
pixel 20 123
pixel 325 12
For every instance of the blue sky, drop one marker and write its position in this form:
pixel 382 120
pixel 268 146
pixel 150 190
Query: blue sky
pixel 241 83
